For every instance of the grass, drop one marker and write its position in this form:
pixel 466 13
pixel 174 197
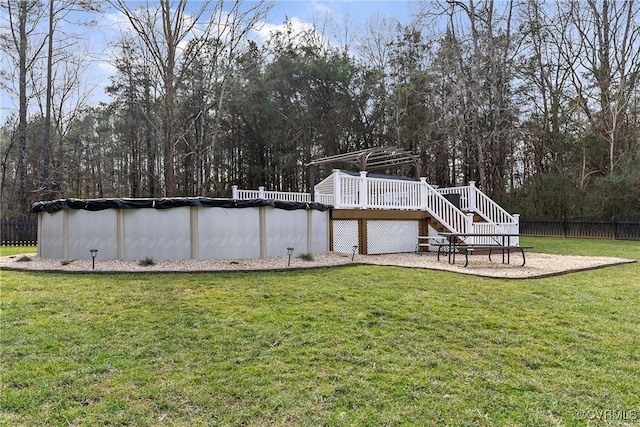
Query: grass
pixel 17 250
pixel 359 345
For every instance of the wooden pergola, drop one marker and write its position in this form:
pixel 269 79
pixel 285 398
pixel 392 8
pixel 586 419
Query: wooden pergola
pixel 369 159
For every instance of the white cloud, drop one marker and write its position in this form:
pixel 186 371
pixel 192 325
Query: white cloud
pixel 113 23
pixel 322 10
pixel 298 27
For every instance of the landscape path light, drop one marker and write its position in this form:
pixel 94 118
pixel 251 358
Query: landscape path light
pixel 289 251
pixel 94 253
pixel 353 255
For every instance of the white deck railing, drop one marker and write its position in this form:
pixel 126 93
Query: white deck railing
pixel 362 192
pixel 387 194
pixel 342 190
pixel 376 193
pixel 261 193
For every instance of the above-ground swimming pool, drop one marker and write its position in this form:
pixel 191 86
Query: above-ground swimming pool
pixel 179 228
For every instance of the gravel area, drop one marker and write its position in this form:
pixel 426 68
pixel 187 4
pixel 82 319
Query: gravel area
pixel 537 265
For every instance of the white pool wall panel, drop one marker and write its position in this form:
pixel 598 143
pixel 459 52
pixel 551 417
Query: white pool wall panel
pixel 285 231
pixel 157 234
pixel 228 233
pixel 92 230
pixel 51 241
pixel 319 231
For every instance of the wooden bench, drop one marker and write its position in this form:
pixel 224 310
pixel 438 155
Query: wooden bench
pixel 422 244
pixel 489 243
pixel 489 249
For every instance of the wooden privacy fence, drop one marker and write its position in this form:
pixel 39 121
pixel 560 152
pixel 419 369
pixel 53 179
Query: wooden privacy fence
pixel 628 229
pixel 22 231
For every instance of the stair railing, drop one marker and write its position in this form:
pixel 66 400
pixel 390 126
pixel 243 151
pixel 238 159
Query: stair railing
pixel 474 200
pixel 444 211
pixel 487 208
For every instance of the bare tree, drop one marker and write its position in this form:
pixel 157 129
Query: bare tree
pixel 546 75
pixel 22 29
pixel 608 46
pixel 179 25
pixel 59 47
pixel 163 43
pixel 481 33
pixel 210 63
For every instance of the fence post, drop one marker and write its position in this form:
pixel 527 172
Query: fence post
pixel 234 192
pixel 261 192
pixel 564 226
pixel 614 226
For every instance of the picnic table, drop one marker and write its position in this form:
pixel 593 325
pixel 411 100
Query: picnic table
pixel 478 243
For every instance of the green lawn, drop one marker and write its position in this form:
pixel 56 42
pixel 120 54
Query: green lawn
pixel 16 250
pixel 360 345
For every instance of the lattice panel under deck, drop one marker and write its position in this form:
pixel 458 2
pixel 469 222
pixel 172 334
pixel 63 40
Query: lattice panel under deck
pixel 385 237
pixel 345 235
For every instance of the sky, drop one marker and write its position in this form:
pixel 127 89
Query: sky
pixel 359 10
pixel 302 14
pixel 108 26
pixel 322 13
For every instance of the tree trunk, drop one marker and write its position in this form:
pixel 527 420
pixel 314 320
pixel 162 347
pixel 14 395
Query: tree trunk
pixel 46 142
pixel 169 101
pixel 22 121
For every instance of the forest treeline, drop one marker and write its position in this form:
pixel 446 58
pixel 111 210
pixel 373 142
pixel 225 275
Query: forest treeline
pixel 538 102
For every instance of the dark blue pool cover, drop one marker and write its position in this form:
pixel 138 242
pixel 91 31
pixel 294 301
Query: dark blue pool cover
pixel 168 203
